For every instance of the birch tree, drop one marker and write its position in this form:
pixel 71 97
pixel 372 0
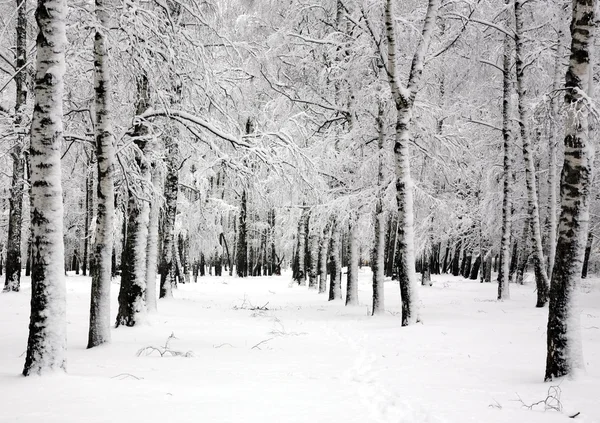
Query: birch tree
pixel 15 216
pixel 404 98
pixel 47 341
pixel 99 331
pixel 530 178
pixel 503 277
pixel 564 349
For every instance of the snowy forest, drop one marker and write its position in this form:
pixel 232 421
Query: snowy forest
pixel 299 210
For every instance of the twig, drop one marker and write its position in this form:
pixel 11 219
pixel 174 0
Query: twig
pixel 257 346
pixel 222 345
pixel 125 376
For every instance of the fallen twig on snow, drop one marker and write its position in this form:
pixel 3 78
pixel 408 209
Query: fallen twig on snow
pixel 264 341
pixel 552 401
pixel 165 350
pixel 122 376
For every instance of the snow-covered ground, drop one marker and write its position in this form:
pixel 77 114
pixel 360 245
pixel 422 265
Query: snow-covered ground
pixel 300 358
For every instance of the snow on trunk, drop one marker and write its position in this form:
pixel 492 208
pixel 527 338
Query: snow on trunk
pixel 101 260
pixel 133 274
pixel 132 307
pixel 15 219
pixel 167 267
pixel 47 342
pixel 323 247
pixel 530 179
pixel 152 244
pixel 378 255
pixel 352 281
pixel 552 172
pixel 335 285
pixel 503 277
pixel 313 248
pixel 564 353
pixel 241 266
pixel 404 100
pixel 300 277
pixel 15 216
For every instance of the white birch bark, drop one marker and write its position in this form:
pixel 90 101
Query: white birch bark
pixel 15 216
pixel 352 281
pixel 530 179
pixel 335 285
pixel 323 247
pixel 378 256
pixel 152 244
pixel 99 330
pixel 552 172
pixel 503 277
pixel 47 342
pixel 564 349
pixel 404 101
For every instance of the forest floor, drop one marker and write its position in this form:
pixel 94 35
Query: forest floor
pixel 260 350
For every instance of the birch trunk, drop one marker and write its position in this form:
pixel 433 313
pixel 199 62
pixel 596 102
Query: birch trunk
pixel 352 281
pixel 532 197
pixel 404 101
pixel 552 172
pixel 15 216
pixel 378 256
pixel 152 244
pixel 503 277
pixel 167 267
pixel 564 355
pixel 101 260
pixel 301 249
pixel 378 261
pixel 89 186
pixel 47 341
pixel 335 286
pixel 242 246
pixel 313 272
pixel 133 266
pixel 586 257
pixel 323 260
pixel 133 259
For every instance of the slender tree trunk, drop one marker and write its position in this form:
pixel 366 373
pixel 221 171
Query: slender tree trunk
pixel 101 262
pixel 167 278
pixel 378 254
pixel 89 212
pixel 404 101
pixel 425 271
pixel 533 205
pixel 323 247
pixel 564 349
pixel 300 277
pixel 47 341
pixel 242 246
pixel 335 286
pixel 488 267
pixel 475 268
pixel 15 216
pixel 503 277
pixel 152 244
pixel 352 281
pixel 15 219
pixel 133 259
pixel 456 259
pixel 586 256
pixel 313 272
pixel 552 172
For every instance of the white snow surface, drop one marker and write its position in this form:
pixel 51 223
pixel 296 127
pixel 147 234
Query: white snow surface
pixel 320 361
